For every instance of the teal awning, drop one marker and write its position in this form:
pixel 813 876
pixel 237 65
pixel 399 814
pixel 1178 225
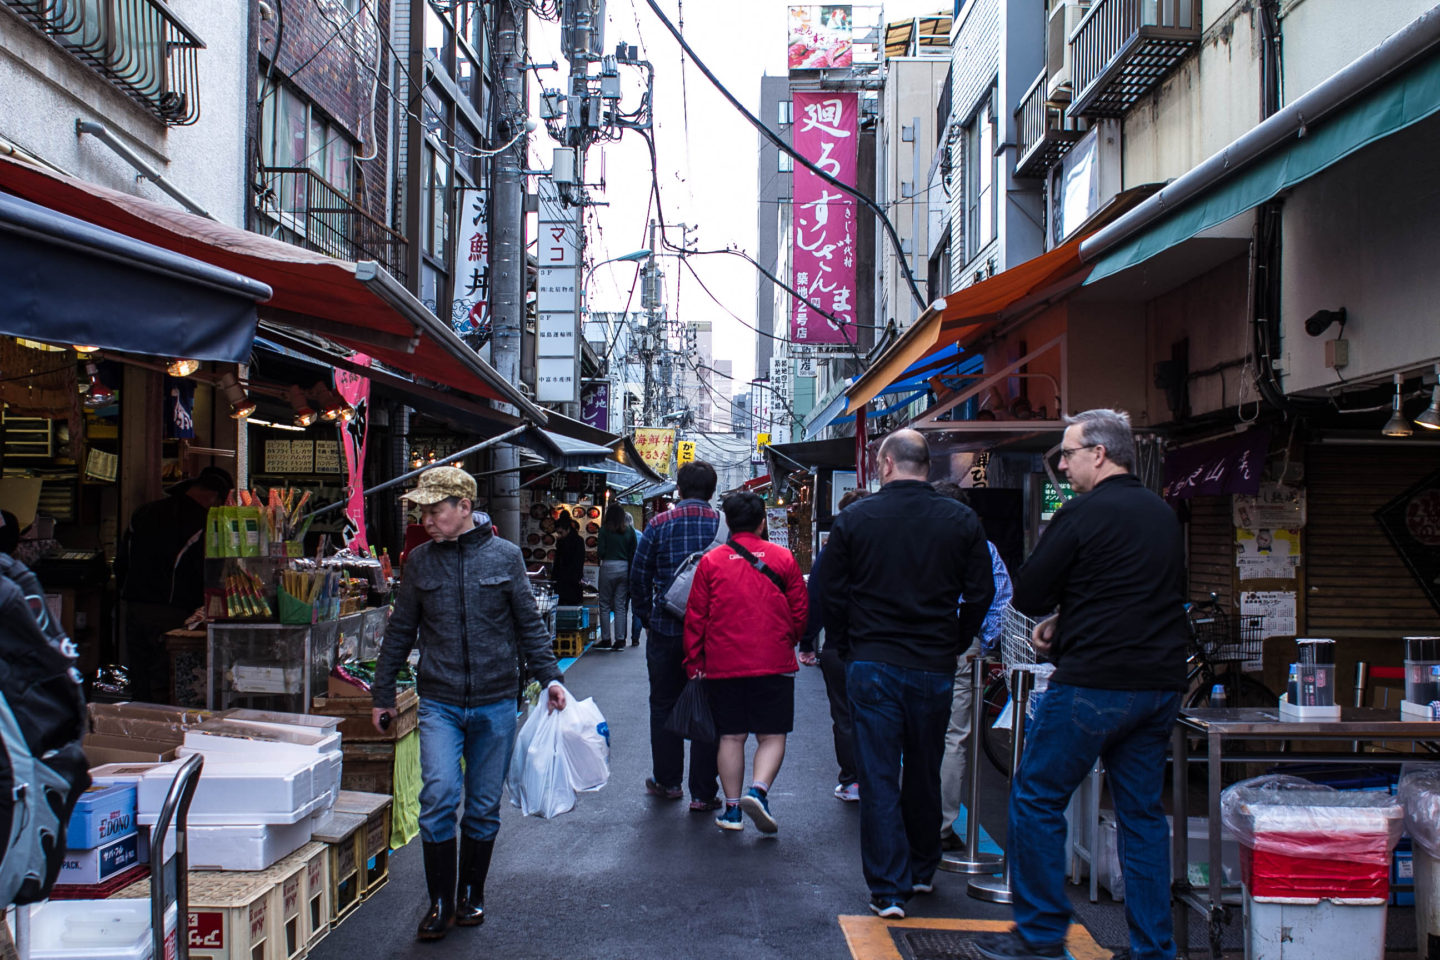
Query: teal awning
pixel 1409 98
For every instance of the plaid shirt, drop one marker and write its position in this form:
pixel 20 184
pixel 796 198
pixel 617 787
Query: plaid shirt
pixel 688 526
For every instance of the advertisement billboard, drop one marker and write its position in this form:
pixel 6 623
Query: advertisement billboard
pixel 820 36
pixel 826 132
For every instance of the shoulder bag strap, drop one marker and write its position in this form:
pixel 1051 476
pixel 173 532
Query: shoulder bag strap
pixel 758 564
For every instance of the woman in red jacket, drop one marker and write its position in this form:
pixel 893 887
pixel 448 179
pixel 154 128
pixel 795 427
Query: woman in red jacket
pixel 746 612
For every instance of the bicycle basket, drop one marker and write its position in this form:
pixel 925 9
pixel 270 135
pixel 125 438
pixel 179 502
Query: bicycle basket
pixel 1229 639
pixel 1014 644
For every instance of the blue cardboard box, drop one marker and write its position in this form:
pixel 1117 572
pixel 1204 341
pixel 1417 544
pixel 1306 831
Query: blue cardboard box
pixel 99 864
pixel 104 813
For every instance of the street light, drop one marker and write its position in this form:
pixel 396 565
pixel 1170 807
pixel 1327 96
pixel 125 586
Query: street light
pixel 631 257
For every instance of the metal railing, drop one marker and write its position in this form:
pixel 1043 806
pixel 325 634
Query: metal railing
pixel 140 46
pixel 312 213
pixel 1122 48
pixel 1042 133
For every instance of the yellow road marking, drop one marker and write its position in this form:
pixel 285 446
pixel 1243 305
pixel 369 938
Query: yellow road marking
pixel 869 937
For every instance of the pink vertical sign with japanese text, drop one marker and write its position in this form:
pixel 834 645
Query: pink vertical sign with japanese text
pixel 355 390
pixel 826 132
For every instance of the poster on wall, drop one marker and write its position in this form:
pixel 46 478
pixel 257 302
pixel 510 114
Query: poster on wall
pixel 777 526
pixel 355 390
pixel 1266 554
pixel 1273 506
pixel 1275 608
pixel 1412 523
pixel 841 483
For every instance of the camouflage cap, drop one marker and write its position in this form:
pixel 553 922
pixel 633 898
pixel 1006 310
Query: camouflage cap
pixel 440 483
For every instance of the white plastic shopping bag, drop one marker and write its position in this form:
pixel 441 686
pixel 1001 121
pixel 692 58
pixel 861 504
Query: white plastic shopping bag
pixel 539 779
pixel 586 740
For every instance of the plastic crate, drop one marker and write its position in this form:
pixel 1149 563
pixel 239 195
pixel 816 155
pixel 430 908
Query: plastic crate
pixel 572 618
pixel 570 643
pixel 232 915
pixel 375 839
pixel 343 836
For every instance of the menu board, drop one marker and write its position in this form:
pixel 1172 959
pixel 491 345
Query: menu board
pixel 327 456
pixel 289 456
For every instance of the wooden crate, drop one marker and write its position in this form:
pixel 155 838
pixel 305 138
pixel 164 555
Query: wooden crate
pixel 368 767
pixel 231 915
pixel 354 714
pixel 343 835
pixel 375 851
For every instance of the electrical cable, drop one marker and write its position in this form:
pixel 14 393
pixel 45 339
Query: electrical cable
pixel 786 148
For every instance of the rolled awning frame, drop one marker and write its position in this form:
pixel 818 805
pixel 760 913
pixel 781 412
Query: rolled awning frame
pixel 930 419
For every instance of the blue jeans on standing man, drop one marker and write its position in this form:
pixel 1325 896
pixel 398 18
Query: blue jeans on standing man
pixel 899 715
pixel 484 737
pixel 1074 726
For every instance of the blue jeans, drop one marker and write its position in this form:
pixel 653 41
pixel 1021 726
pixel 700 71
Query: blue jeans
pixel 1073 726
pixel 899 716
pixel 484 737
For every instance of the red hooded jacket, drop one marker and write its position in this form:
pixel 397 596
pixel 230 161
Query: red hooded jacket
pixel 737 623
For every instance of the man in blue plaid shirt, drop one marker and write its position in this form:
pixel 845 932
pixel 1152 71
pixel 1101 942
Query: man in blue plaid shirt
pixel 672 536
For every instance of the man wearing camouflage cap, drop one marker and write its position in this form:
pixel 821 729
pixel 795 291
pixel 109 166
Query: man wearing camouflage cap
pixel 465 598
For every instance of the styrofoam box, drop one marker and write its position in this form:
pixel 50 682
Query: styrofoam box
pixel 244 846
pixel 95 930
pixel 123 772
pixel 242 735
pixel 1314 930
pixel 326 764
pixel 232 791
pixel 103 813
pixel 1197 849
pixel 99 864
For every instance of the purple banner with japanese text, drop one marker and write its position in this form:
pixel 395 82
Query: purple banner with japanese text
pixel 1224 466
pixel 826 132
pixel 595 404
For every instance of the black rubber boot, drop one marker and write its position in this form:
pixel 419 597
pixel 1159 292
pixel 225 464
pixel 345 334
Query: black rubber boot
pixel 474 867
pixel 440 879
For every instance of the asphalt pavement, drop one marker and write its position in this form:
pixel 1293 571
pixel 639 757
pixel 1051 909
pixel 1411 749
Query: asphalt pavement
pixel 625 875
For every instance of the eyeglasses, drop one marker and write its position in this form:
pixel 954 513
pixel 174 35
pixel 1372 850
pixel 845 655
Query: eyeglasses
pixel 1067 453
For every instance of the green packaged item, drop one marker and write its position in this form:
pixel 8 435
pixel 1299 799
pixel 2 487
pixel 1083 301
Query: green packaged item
pixel 249 520
pixel 233 536
pixel 215 532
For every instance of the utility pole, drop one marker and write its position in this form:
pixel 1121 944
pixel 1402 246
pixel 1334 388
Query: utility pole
pixel 507 253
pixel 649 295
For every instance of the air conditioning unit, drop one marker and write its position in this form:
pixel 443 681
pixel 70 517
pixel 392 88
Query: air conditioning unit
pixel 1065 16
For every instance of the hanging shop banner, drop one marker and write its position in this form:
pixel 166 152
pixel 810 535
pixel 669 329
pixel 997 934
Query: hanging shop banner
pixel 595 404
pixel 1227 465
pixel 1412 522
pixel 355 390
pixel 826 131
pixel 656 446
pixel 684 452
pixel 820 37
pixel 470 288
pixel 557 340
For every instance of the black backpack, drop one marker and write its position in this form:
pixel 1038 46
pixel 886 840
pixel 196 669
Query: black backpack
pixel 43 769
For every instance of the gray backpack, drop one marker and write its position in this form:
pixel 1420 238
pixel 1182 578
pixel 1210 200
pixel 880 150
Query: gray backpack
pixel 677 595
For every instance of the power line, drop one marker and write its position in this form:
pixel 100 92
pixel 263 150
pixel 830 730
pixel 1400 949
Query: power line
pixel 780 142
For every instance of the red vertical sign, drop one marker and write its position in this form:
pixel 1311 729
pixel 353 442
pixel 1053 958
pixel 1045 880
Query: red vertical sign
pixel 355 390
pixel 826 132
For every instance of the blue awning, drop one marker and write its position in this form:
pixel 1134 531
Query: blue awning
pixel 68 281
pixel 912 384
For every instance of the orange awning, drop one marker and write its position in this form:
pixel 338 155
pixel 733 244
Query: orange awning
pixel 357 305
pixel 963 316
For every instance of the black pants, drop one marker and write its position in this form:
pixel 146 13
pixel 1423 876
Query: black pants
pixel 145 656
pixel 664 657
pixel 833 669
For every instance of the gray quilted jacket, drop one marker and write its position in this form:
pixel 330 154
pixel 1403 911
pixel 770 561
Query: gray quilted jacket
pixel 468 605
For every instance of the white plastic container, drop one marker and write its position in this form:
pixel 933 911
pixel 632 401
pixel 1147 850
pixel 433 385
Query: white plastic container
pixel 1314 929
pixel 244 846
pixel 231 791
pixel 94 930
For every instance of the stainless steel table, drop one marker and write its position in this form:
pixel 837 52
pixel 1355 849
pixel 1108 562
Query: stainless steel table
pixel 1217 727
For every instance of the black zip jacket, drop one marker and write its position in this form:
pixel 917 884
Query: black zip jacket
pixel 1114 562
pixel 897 566
pixel 468 604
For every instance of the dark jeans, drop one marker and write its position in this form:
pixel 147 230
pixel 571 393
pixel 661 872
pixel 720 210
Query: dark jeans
pixel 1073 726
pixel 664 658
pixel 900 716
pixel 146 659
pixel 833 669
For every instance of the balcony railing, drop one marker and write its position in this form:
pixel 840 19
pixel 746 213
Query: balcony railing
pixel 311 213
pixel 1043 134
pixel 140 46
pixel 1123 48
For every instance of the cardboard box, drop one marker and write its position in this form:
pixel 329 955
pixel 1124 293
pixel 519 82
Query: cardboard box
pixel 99 864
pixel 148 721
pixel 104 813
pixel 102 748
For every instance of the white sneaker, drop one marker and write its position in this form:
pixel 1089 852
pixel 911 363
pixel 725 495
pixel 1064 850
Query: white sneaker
pixel 849 792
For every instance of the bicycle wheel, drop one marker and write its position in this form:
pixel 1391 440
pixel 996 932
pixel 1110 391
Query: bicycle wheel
pixel 995 740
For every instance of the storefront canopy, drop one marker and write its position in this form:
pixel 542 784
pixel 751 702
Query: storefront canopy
pixel 357 305
pixel 69 281
pixel 1394 86
pixel 963 316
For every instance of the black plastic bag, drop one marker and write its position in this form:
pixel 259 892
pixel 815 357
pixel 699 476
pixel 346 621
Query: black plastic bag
pixel 691 717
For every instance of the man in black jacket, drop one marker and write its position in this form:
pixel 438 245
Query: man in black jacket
pixel 1112 560
pixel 897 566
pixel 465 599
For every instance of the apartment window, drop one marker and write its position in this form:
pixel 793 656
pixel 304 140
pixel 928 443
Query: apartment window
pixel 785 113
pixel 981 171
pixel 786 163
pixel 435 207
pixel 295 135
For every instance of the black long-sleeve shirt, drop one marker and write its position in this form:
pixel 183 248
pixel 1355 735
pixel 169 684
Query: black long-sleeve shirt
pixel 1114 562
pixel 897 566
